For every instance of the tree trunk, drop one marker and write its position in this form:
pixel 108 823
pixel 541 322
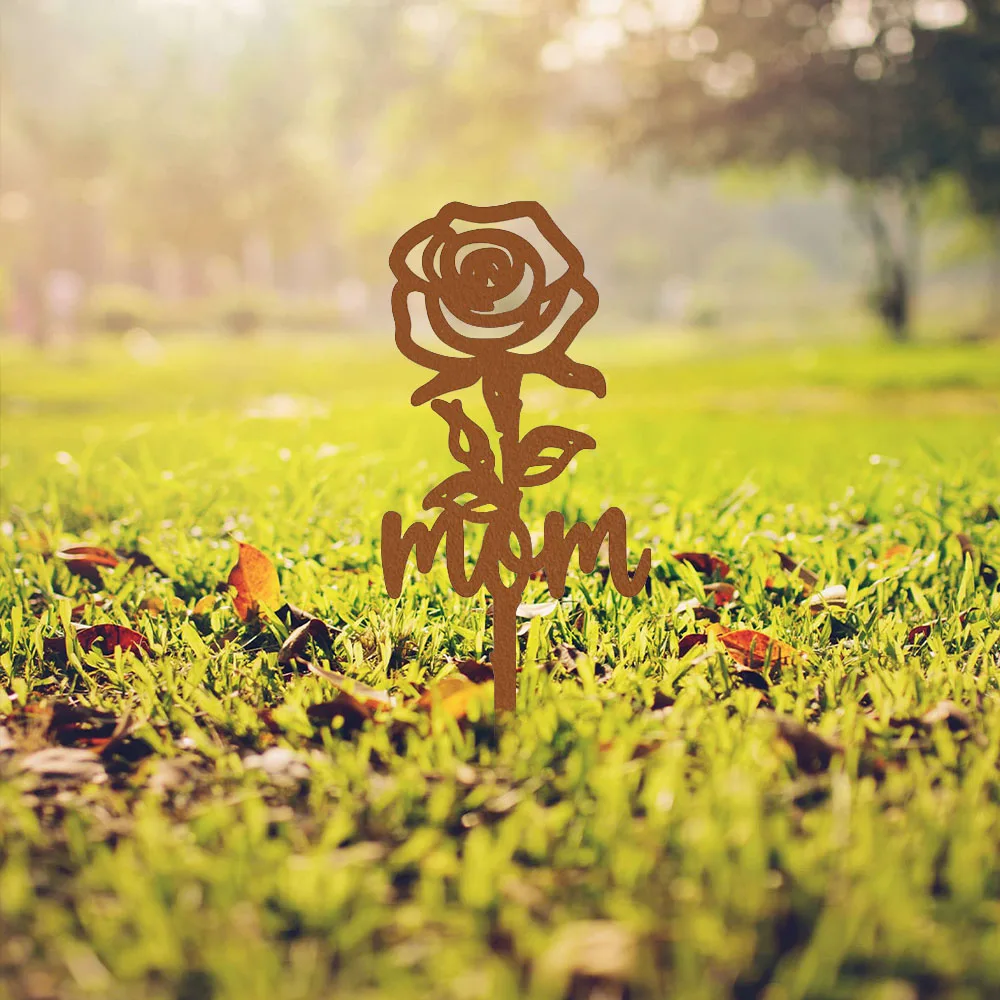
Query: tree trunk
pixel 892 295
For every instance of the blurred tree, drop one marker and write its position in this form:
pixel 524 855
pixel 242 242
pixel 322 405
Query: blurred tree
pixel 889 94
pixel 440 102
pixel 57 99
pixel 146 125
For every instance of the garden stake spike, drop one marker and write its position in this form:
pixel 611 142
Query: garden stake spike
pixel 468 268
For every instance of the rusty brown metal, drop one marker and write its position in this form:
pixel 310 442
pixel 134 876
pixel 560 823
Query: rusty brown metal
pixel 475 273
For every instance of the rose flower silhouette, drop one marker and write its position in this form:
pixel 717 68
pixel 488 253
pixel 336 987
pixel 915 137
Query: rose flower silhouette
pixel 476 278
pixel 464 278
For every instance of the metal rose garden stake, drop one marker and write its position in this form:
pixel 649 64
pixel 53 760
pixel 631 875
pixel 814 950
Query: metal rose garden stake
pixel 486 294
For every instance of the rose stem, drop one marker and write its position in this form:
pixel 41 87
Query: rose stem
pixel 504 656
pixel 502 394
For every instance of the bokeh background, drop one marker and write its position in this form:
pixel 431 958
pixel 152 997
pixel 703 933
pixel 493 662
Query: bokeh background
pixel 758 169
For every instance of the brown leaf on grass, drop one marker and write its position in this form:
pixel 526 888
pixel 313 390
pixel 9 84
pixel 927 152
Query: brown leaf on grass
pixel 94 603
pixel 103 732
pixel 137 559
pixel 966 544
pixel 371 698
pixel 700 612
pixel 79 725
pixel 755 649
pixel 721 594
pixel 475 670
pixel 704 563
pixel 255 581
pixel 95 554
pixel 157 605
pixel 351 713
pixel 86 561
pixel 63 764
pixel 688 642
pixel 921 632
pixel 566 656
pixel 204 605
pixel 293 649
pixel 104 637
pixel 813 751
pixel 536 610
pixel 988 512
pixel 792 565
pixel 829 597
pixel 281 764
pixel 947 711
pixel 987 573
pixel 109 637
pixel 588 958
pixel 751 679
pixel 292 616
pixel 895 552
pixel 662 700
pixel 453 694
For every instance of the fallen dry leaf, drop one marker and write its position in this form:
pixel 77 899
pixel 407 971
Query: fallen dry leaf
pixel 255 581
pixel 109 637
pixel 829 597
pixel 279 763
pixel 752 679
pixel 662 700
pixel 86 561
pixel 721 594
pixel 294 647
pixel 920 632
pixel 603 953
pixel 700 612
pixel 66 763
pixel 966 544
pixel 475 670
pixel 813 751
pixel 351 713
pixel 568 657
pixel 453 694
pixel 203 605
pixel 157 605
pixel 791 565
pixel 536 610
pixel 895 552
pixel 947 711
pixel 104 637
pixel 137 559
pixel 755 650
pixel 704 563
pixel 371 698
pixel 988 512
pixel 688 642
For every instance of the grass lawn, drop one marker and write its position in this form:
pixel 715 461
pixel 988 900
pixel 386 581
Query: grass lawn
pixel 203 821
